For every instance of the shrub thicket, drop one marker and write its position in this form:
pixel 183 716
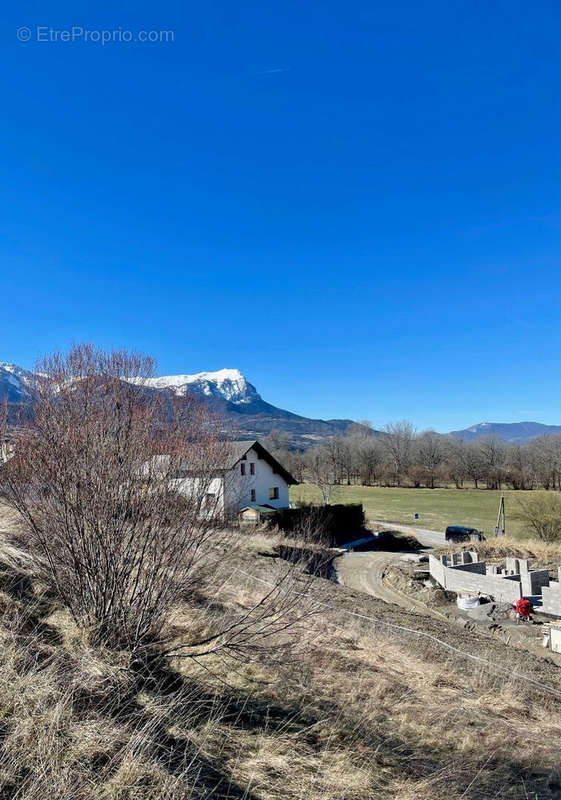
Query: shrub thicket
pixel 335 524
pixel 542 514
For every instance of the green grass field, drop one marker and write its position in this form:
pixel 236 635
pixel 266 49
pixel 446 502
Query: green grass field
pixel 437 508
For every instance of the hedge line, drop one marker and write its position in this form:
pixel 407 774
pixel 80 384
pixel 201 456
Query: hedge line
pixel 338 524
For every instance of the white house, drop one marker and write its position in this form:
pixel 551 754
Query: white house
pixel 250 476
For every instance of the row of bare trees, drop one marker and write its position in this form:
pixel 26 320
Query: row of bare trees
pixel 401 456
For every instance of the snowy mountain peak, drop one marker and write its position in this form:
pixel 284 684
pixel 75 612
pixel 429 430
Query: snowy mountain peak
pixel 14 382
pixel 228 384
pixel 14 369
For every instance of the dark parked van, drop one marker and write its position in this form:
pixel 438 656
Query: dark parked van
pixel 461 533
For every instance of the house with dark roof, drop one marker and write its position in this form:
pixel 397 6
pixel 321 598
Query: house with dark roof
pixel 249 476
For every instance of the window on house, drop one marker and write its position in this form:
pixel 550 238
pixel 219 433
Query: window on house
pixel 252 495
pixel 210 497
pixel 251 468
pixel 242 467
pixel 274 493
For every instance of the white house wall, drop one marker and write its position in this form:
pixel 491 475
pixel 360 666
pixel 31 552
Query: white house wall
pixel 232 490
pixel 212 486
pixel 238 487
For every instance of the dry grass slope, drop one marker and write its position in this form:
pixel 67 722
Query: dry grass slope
pixel 361 714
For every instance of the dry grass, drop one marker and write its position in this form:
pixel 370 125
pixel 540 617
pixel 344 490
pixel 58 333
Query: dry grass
pixel 542 552
pixel 360 715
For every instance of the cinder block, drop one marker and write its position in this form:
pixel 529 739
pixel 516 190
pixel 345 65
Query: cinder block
pixel 479 567
pixel 551 599
pixel 437 570
pixel 534 581
pixel 556 639
pixel 512 566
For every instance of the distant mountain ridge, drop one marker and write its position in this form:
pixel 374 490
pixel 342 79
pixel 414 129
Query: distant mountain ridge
pixel 520 432
pixel 228 393
pixel 231 395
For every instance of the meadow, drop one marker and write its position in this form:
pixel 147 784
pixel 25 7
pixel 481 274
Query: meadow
pixel 436 508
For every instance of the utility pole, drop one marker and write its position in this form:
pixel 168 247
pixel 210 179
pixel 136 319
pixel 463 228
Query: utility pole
pixel 501 518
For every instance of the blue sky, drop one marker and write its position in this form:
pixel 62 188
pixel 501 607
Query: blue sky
pixel 355 203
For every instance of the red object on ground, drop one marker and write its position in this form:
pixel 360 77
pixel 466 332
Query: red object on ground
pixel 523 607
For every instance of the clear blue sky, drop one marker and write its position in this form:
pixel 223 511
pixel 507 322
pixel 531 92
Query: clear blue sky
pixel 356 203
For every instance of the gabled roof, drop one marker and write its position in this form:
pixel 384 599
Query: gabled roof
pixel 237 450
pixel 235 453
pixel 240 449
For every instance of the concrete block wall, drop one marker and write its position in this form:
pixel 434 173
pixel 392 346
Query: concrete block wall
pixel 465 573
pixel 511 565
pixel 551 599
pixel 504 591
pixel 534 581
pixel 437 569
pixel 478 567
pixel 474 578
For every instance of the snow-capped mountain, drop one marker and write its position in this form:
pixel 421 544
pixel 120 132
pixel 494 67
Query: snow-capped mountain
pixel 228 384
pixel 509 431
pixel 227 392
pixel 15 383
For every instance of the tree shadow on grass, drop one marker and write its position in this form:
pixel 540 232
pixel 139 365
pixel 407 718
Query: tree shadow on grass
pixel 27 613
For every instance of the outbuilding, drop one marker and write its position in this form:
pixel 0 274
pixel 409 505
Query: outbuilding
pixel 255 515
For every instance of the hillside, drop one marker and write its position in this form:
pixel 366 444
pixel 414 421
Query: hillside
pixel 370 709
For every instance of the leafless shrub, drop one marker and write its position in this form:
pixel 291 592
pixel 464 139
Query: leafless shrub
pixel 541 513
pixel 95 478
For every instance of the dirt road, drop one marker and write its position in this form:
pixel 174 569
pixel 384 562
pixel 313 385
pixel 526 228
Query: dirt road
pixel 423 535
pixel 364 571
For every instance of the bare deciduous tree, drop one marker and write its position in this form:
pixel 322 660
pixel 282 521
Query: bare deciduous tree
pixel 473 463
pixel 369 457
pixel 319 471
pixel 94 478
pixel 545 459
pixel 398 442
pixel 517 466
pixel 493 455
pixel 455 461
pixel 430 455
